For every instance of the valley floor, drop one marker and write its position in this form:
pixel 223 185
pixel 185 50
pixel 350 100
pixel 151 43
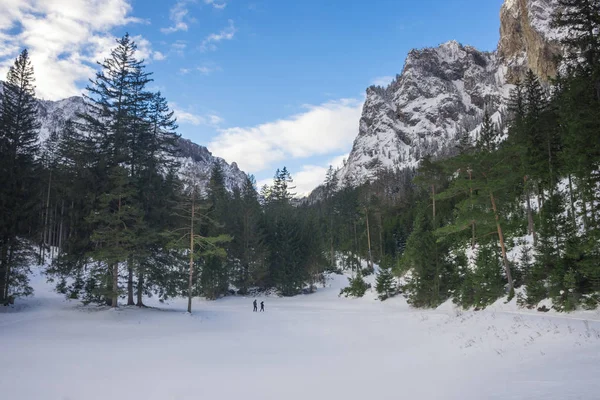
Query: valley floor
pixel 308 347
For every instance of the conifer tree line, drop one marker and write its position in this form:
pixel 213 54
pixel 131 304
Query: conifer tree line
pixel 516 209
pixel 104 203
pixel 514 212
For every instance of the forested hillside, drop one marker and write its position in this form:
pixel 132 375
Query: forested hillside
pixel 515 208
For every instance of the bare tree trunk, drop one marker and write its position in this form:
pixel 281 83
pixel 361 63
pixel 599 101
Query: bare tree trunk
pixel 502 245
pixel 130 301
pixel 586 221
pixel 53 232
pixel 437 272
pixel 47 209
pixel 433 198
pixel 572 202
pixel 191 277
pixel 471 199
pixel 331 242
pixel 60 230
pixel 592 191
pixel 530 223
pixel 115 285
pixel 3 270
pixel 380 237
pixel 140 290
pixel 370 260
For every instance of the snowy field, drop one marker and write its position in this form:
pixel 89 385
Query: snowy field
pixel 308 347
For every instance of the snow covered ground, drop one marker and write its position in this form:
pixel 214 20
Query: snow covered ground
pixel 308 347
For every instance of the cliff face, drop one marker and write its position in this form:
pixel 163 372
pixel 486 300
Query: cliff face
pixel 526 39
pixel 443 92
pixel 440 94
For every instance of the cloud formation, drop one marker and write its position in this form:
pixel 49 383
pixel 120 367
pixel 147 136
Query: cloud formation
pixel 216 4
pixel 187 117
pixel 204 69
pixel 65 38
pixel 211 41
pixel 179 15
pixel 309 177
pixel 327 128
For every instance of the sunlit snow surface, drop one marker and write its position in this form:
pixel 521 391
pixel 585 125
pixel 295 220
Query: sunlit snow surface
pixel 309 347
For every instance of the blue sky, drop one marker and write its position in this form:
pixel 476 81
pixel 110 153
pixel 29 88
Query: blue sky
pixel 265 83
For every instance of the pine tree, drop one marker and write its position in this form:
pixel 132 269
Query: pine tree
pixel 118 223
pixel 423 257
pixel 19 147
pixel 248 245
pixel 191 238
pixel 357 286
pixel 384 283
pixel 521 143
pixel 487 139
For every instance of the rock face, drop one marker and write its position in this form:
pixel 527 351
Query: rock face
pixel 527 40
pixel 443 93
pixel 53 114
pixel 199 161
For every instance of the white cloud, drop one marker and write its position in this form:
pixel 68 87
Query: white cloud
pixel 208 69
pixel 64 37
pixel 210 42
pixel 205 69
pixel 383 81
pixel 339 161
pixel 312 176
pixel 309 177
pixel 323 129
pixel 179 15
pixel 216 4
pixel 178 47
pixel 158 56
pixel 187 117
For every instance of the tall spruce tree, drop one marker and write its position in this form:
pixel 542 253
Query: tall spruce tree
pixel 19 147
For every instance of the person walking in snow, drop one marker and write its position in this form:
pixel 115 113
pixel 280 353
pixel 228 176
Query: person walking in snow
pixel 262 306
pixel 255 308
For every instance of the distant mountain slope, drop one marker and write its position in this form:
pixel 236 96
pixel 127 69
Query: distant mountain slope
pixel 195 158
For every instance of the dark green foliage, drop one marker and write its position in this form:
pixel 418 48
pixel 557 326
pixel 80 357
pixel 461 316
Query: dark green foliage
pixel 18 170
pixel 357 287
pixel 385 284
pixel 425 259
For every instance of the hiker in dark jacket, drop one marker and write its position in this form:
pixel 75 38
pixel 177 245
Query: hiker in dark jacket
pixel 255 309
pixel 262 306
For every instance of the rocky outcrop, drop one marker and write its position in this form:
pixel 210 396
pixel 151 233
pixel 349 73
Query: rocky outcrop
pixel 527 40
pixel 443 92
pixel 199 161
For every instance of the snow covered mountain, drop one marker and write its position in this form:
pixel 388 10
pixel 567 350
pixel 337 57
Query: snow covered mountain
pixel 443 92
pixel 195 159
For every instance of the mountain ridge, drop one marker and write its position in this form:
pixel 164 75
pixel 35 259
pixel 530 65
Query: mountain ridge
pixel 196 160
pixel 443 92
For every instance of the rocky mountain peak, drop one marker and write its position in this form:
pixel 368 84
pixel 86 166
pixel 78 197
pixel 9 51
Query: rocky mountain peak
pixel 443 92
pixel 440 94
